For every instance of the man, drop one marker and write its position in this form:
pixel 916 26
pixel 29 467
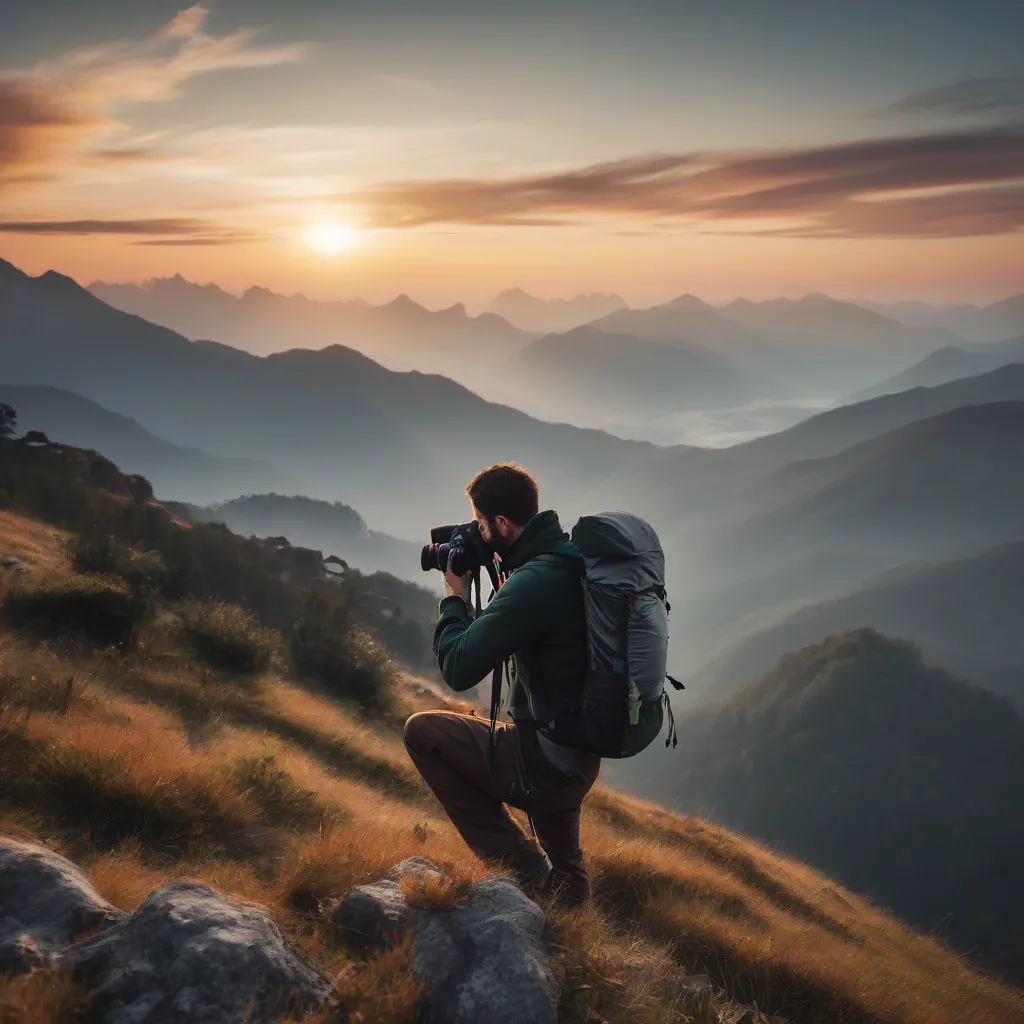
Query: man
pixel 537 621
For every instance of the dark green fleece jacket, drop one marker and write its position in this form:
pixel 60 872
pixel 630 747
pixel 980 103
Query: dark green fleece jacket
pixel 537 619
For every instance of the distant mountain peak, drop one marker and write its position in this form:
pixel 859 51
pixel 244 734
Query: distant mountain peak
pixel 404 303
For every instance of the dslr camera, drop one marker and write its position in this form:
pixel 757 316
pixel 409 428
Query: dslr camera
pixel 463 544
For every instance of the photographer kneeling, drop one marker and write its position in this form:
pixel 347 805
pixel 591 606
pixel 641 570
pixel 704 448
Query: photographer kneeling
pixel 537 621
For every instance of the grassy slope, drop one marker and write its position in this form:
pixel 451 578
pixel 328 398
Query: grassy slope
pixel 150 766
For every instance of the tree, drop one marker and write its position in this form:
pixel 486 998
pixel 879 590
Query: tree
pixel 8 419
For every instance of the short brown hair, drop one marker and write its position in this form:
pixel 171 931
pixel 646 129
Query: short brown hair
pixel 505 490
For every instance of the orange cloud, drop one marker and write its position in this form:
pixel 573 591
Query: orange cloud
pixel 859 189
pixel 53 114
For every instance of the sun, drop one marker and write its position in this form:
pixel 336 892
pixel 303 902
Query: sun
pixel 330 237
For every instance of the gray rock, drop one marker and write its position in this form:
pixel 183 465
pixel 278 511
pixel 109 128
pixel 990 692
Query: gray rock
pixel 189 953
pixel 370 916
pixel 374 915
pixel 45 902
pixel 483 961
pixel 413 866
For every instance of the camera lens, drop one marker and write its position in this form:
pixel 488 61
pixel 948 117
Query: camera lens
pixel 434 556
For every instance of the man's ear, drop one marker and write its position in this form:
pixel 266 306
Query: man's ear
pixel 502 524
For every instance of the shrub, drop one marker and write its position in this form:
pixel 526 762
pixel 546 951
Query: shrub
pixel 100 608
pixel 228 637
pixel 327 645
pixel 95 552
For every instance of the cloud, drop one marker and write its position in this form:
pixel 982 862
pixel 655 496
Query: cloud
pixel 172 231
pixel 53 113
pixel 969 97
pixel 868 188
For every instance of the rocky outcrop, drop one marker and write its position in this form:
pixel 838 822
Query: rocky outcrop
pixel 45 903
pixel 190 953
pixel 481 960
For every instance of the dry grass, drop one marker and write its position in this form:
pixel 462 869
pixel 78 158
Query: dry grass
pixel 154 767
pixel 382 990
pixel 42 997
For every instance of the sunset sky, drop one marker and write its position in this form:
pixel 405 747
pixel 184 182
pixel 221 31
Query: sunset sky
pixel 452 150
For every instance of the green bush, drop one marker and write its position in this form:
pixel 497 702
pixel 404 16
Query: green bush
pixel 228 637
pixel 101 608
pixel 96 552
pixel 328 645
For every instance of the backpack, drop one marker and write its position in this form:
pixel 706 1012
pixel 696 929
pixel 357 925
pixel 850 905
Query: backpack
pixel 627 637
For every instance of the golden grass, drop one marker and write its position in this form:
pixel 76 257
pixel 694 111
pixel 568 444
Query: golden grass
pixel 40 548
pixel 156 768
pixel 42 997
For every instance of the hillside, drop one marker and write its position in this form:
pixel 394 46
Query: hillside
pixel 273 789
pixel 122 532
pixel 933 490
pixel 401 334
pixel 398 446
pixel 187 474
pixel 897 778
pixel 603 376
pixel 965 614
pixel 328 526
pixel 948 364
pixel 702 485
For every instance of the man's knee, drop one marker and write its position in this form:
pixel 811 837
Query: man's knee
pixel 423 731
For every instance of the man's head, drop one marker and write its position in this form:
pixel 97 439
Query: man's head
pixel 504 500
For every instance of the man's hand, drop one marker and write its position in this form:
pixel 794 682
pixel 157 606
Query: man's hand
pixel 457 586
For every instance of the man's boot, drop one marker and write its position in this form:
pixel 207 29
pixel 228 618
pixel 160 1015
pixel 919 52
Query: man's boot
pixel 530 867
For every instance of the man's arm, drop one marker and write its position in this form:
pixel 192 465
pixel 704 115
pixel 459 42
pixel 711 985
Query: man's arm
pixel 467 651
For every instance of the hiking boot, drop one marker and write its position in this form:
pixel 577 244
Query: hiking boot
pixel 530 868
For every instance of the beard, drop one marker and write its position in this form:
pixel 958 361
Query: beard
pixel 494 540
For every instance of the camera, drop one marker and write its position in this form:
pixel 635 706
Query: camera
pixel 463 544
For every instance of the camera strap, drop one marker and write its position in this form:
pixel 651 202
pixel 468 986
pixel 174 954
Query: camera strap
pixel 496 681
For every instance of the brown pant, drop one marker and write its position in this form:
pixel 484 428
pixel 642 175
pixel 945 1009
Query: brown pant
pixel 453 754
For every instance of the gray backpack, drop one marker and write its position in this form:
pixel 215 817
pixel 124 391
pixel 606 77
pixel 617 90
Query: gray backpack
pixel 627 638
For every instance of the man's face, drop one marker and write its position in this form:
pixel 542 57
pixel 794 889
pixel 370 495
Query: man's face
pixel 493 531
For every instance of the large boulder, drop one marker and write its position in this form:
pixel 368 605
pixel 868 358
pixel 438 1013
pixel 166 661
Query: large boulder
pixel 483 961
pixel 372 916
pixel 45 903
pixel 189 953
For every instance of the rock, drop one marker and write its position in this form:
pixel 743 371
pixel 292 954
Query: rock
pixel 189 953
pixel 45 902
pixel 373 916
pixel 483 960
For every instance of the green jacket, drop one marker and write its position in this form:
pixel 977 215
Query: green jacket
pixel 537 619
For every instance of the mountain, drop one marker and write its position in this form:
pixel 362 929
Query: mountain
pixel 964 614
pixel 815 345
pixel 701 484
pixel 398 446
pixel 898 779
pixel 935 489
pixel 401 335
pixel 186 474
pixel 552 316
pixel 948 364
pixel 995 322
pixel 597 377
pixel 331 527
